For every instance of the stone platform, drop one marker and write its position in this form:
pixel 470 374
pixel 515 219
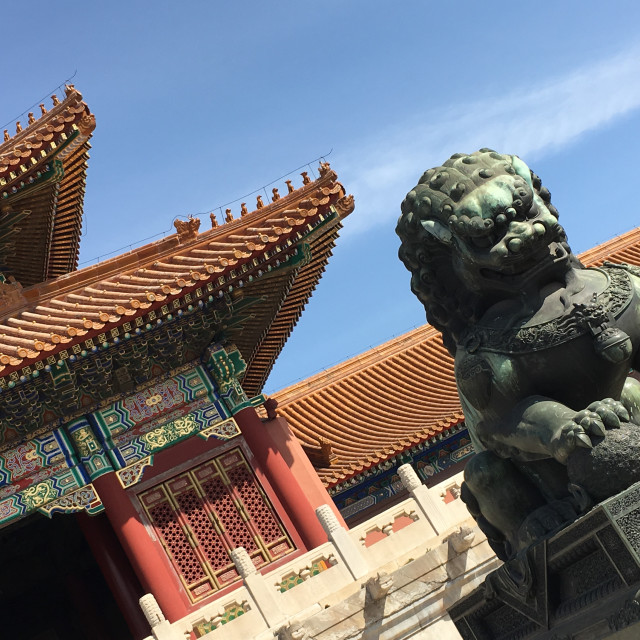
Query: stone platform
pixel 579 584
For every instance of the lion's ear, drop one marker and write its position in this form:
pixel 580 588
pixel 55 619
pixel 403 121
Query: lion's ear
pixel 437 230
pixel 522 170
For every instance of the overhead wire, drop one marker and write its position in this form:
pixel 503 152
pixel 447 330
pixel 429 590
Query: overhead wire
pixel 131 245
pixel 37 102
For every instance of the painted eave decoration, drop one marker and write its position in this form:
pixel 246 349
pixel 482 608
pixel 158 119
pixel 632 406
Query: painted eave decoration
pixel 86 334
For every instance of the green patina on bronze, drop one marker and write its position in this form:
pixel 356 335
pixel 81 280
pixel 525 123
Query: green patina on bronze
pixel 542 345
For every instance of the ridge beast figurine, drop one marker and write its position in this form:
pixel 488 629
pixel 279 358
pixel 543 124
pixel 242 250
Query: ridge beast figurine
pixel 543 346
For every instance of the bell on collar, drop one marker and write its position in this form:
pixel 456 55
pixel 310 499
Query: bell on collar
pixel 613 345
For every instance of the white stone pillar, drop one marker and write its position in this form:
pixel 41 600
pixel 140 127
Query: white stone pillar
pixel 345 546
pixel 160 626
pixel 420 493
pixel 260 590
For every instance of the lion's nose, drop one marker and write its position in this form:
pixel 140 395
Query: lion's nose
pixel 515 244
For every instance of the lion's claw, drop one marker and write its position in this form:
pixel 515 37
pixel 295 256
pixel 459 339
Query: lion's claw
pixel 572 435
pixel 592 426
pixel 591 421
pixel 583 440
pixel 611 412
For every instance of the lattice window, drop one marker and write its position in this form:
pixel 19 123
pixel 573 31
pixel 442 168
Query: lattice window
pixel 253 500
pixel 203 513
pixel 226 512
pixel 166 520
pixel 210 546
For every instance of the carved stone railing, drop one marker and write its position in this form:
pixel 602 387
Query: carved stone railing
pixel 421 539
pixel 305 567
pixel 235 611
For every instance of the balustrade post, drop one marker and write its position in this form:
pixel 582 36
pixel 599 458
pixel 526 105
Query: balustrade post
pixel 349 551
pixel 160 626
pixel 420 493
pixel 261 591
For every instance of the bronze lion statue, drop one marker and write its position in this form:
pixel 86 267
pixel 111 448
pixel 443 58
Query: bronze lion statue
pixel 543 346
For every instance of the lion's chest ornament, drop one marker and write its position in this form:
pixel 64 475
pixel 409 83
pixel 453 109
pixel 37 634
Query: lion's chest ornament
pixel 546 392
pixel 597 317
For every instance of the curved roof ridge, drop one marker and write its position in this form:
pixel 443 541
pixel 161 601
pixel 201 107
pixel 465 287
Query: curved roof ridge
pixel 72 100
pixel 165 247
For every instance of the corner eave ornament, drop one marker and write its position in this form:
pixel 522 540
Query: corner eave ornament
pixel 542 345
pixel 187 229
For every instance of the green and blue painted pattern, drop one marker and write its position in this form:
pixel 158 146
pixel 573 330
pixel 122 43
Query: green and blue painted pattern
pixel 92 455
pixel 36 473
pixel 165 434
pixel 46 468
pixel 154 418
pixel 428 461
pixel 231 613
pixel 295 579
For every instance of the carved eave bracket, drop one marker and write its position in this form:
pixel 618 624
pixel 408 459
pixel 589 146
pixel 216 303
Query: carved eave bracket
pixel 86 125
pixel 345 206
pixel 321 455
pixel 11 294
pixel 83 499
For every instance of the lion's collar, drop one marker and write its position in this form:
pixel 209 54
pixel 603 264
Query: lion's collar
pixel 578 320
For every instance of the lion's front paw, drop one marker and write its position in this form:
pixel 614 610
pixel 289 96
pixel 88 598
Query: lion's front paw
pixel 611 412
pixel 592 421
pixel 575 433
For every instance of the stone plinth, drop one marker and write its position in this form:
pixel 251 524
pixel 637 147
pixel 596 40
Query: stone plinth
pixel 579 584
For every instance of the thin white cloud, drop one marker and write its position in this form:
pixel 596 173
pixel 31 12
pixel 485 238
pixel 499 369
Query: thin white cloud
pixel 528 121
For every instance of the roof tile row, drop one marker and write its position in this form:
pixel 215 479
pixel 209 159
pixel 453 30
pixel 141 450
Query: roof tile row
pixel 56 314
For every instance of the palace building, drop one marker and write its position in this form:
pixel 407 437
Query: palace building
pixel 147 487
pixel 129 388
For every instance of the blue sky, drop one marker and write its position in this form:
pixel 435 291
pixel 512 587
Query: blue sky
pixel 199 103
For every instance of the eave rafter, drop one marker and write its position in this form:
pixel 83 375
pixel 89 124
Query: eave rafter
pixel 42 174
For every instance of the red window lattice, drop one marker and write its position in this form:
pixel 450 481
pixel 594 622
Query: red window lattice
pixel 211 546
pixel 201 514
pixel 223 506
pixel 254 501
pixel 166 521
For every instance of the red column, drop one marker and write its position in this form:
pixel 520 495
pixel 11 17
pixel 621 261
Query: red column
pixel 85 607
pixel 281 478
pixel 147 559
pixel 299 463
pixel 117 571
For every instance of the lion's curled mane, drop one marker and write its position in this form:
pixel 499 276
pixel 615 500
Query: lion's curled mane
pixel 449 304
